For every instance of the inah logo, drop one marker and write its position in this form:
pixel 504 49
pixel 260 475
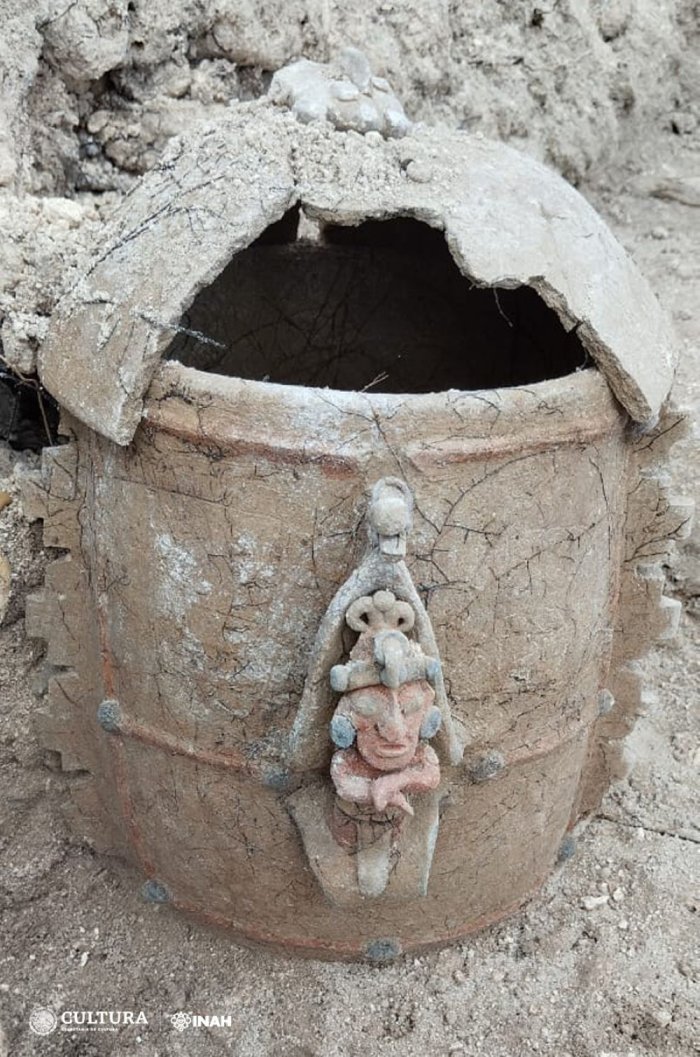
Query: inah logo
pixel 180 1021
pixel 42 1021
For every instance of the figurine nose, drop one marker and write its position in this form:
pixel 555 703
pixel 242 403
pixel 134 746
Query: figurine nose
pixel 392 725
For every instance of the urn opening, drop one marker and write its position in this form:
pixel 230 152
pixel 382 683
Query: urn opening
pixel 380 307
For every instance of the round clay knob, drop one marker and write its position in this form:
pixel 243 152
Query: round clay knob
pixel 390 515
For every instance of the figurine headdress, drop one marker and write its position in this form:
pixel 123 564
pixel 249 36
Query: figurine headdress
pixel 383 653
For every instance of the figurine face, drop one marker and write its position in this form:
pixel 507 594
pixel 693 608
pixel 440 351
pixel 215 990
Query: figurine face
pixel 388 722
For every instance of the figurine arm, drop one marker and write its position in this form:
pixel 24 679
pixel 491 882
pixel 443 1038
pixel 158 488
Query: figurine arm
pixel 424 774
pixel 419 777
pixel 348 784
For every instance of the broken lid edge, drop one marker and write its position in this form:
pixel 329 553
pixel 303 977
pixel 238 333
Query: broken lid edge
pixel 110 396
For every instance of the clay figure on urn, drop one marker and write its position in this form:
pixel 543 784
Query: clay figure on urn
pixel 385 716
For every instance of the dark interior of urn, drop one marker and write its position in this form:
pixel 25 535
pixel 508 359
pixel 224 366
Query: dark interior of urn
pixel 381 306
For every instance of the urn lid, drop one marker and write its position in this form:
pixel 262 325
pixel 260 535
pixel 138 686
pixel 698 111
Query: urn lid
pixel 508 221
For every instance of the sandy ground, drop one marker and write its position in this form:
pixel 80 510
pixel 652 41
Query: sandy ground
pixel 616 977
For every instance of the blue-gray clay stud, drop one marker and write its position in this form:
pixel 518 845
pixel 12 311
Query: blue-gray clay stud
pixel 431 724
pixel 487 766
pixel 109 715
pixel 154 892
pixel 567 848
pixel 342 732
pixel 383 951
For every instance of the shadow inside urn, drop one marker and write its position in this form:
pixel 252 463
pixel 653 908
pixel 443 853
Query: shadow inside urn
pixel 378 307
